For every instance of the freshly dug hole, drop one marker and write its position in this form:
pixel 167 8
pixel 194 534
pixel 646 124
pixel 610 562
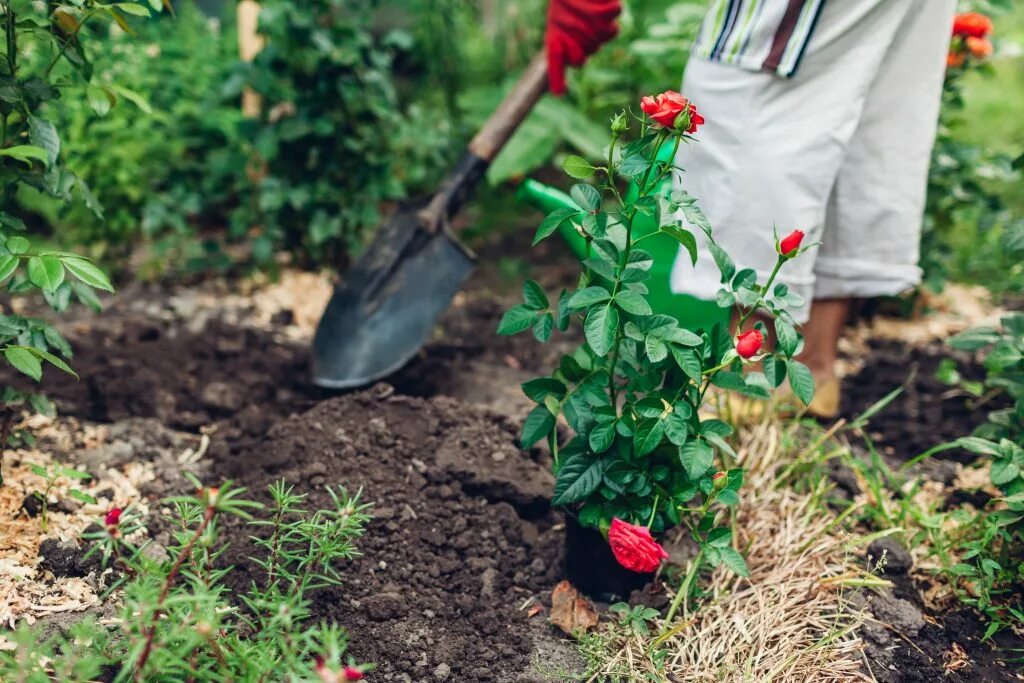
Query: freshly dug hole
pixel 460 537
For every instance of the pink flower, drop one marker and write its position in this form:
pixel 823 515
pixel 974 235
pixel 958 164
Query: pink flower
pixel 634 548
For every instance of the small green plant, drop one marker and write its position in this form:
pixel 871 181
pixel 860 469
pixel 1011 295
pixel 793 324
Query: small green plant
pixel 634 618
pixel 51 476
pixel 991 544
pixel 180 620
pixel 643 450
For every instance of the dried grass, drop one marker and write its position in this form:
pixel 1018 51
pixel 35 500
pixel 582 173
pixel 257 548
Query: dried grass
pixel 792 619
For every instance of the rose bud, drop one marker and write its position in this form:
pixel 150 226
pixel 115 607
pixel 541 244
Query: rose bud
pixel 791 243
pixel 112 518
pixel 980 48
pixel 955 60
pixel 720 480
pixel 670 107
pixel 634 548
pixel 972 24
pixel 749 343
pixel 350 673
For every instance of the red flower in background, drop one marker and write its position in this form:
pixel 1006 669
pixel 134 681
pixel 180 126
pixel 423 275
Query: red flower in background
pixel 351 673
pixel 634 548
pixel 980 48
pixel 666 108
pixel 749 343
pixel 972 24
pixel 791 242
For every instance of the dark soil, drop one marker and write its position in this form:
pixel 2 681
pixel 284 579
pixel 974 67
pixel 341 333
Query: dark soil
pixel 927 413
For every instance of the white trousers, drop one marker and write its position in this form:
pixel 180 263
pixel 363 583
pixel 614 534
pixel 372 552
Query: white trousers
pixel 840 151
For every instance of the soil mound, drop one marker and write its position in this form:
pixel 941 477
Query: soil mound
pixel 461 533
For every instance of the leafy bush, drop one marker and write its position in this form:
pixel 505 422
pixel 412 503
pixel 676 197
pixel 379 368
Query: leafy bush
pixel 992 543
pixel 43 63
pixel 180 620
pixel 323 144
pixel 156 137
pixel 643 450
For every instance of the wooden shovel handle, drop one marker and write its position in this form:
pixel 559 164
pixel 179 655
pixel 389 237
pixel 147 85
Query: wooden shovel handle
pixel 513 109
pixel 485 145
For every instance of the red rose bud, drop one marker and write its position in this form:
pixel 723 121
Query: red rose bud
pixel 112 518
pixel 666 110
pixel 749 343
pixel 791 242
pixel 955 60
pixel 972 24
pixel 720 480
pixel 350 673
pixel 634 548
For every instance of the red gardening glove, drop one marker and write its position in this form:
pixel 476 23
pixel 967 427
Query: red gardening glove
pixel 576 29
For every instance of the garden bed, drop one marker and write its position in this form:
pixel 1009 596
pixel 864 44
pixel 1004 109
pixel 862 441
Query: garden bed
pixel 462 542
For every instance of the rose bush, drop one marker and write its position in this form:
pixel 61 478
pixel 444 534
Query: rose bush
pixel 642 451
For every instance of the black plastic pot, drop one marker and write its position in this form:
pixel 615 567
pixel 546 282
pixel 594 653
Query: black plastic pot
pixel 591 567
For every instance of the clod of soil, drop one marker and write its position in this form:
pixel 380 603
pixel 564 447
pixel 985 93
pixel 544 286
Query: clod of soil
pixel 460 536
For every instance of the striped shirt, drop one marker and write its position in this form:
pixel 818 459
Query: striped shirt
pixel 761 35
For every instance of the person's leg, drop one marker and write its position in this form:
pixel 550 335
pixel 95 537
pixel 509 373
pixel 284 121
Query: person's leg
pixel 771 149
pixel 821 337
pixel 872 233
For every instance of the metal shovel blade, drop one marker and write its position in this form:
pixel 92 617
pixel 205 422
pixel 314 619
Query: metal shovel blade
pixel 384 311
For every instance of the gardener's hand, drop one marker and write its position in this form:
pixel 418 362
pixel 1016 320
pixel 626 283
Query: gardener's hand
pixel 576 29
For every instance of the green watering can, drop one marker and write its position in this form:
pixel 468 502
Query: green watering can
pixel 692 313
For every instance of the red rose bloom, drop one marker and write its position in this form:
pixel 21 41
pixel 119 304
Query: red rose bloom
pixel 972 24
pixel 749 343
pixel 666 108
pixel 634 548
pixel 791 242
pixel 113 517
pixel 980 48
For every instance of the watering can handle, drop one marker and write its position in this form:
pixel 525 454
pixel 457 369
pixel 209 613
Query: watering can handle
pixel 485 145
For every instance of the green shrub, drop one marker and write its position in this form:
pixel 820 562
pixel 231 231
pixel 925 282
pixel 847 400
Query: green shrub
pixel 324 142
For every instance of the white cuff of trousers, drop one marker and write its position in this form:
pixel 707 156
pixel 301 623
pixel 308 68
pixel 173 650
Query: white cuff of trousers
pixel 839 278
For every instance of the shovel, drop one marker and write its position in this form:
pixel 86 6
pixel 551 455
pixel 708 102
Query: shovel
pixel 384 310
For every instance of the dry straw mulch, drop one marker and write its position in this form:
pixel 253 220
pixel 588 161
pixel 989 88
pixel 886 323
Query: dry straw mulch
pixel 792 620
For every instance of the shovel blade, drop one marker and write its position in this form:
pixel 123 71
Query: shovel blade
pixel 386 308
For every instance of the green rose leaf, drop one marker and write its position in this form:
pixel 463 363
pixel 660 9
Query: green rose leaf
pixel 787 337
pixel 578 167
pixel 696 457
pixel 542 387
pixel 600 327
pixel 552 222
pixel 732 559
pixel 43 134
pixel 534 296
pixel 1004 471
pixel 685 239
pixel 578 477
pixel 586 197
pixel 17 244
pixel 516 319
pixel 723 261
pixel 648 436
pixel 538 424
pixel 801 380
pixel 601 437
pixel 542 327
pixel 589 297
pixel 8 264
pixel 633 302
pixel 656 349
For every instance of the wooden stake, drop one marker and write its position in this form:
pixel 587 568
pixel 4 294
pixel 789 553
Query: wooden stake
pixel 250 42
